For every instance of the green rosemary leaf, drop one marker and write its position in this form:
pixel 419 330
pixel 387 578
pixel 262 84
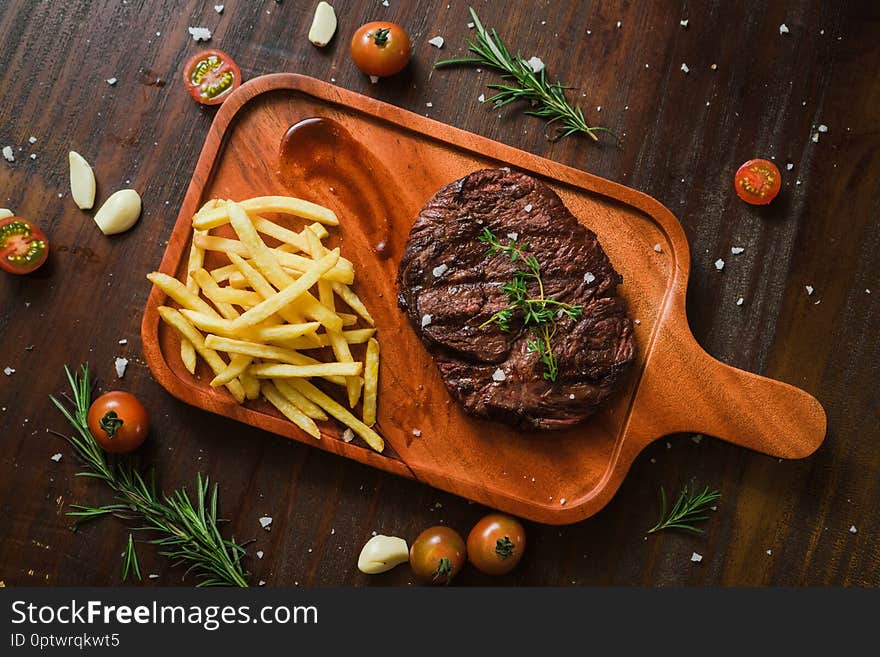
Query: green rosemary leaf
pixel 691 506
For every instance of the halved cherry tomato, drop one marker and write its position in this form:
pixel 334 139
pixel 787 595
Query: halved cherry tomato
pixel 758 182
pixel 119 422
pixel 438 554
pixel 23 247
pixel 496 544
pixel 380 48
pixel 210 76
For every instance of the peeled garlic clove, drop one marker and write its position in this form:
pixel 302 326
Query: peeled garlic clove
pixel 4 213
pixel 82 181
pixel 382 553
pixel 323 25
pixel 119 212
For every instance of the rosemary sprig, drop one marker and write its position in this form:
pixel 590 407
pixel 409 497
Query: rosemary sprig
pixel 541 314
pixel 691 506
pixel 187 532
pixel 130 561
pixel 546 99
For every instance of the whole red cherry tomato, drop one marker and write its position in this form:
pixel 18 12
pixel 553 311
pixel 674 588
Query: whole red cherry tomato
pixel 496 544
pixel 118 422
pixel 380 48
pixel 438 554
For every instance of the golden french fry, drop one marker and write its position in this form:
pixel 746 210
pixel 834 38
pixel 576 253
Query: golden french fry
pixel 371 381
pixel 237 297
pixel 261 204
pixel 196 260
pixel 283 371
pixel 262 332
pixel 312 393
pixel 289 238
pixel 337 342
pixel 354 302
pixel 251 385
pixel 179 293
pixel 289 410
pixel 297 399
pixel 173 318
pixel 221 274
pixel 343 272
pixel 262 286
pixel 238 363
pixel 356 336
pixel 273 304
pixel 210 288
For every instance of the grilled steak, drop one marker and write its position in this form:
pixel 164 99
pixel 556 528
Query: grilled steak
pixel 449 287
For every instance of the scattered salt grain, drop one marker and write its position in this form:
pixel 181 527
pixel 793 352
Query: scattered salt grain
pixel 536 64
pixel 347 435
pixel 33 156
pixel 200 33
pixel 120 364
pixel 697 438
pixel 259 554
pixel 482 98
pixel 696 558
pixel 7 153
pixel 123 341
pixel 262 582
pixel 528 207
pixel 266 522
pixel 736 250
pixel 789 166
pixel 9 371
pixel 658 248
pixel 219 8
pixel 853 530
pixel 867 291
pixel 638 322
pixel 153 576
pixel 417 433
pixel 589 278
pixel 739 301
pixel 684 68
pixel 32 140
pixel 619 25
pixel 429 104
pixel 470 26
pixel 112 81
pixel 374 79
pixel 56 457
pixel 385 3
pixel 562 501
pixel 426 319
pixel 809 289
pixel 719 264
pixel 822 128
pixel 769 553
pixel 499 375
pixel 439 270
pixel 714 67
pixel 437 41
pixel 783 29
pixel 684 23
pixel 815 137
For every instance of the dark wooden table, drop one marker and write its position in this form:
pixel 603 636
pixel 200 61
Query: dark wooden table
pixel 750 91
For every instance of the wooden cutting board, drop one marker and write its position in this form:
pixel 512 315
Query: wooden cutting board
pixel 376 179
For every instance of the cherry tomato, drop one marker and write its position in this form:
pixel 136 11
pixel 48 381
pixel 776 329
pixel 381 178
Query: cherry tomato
pixel 118 422
pixel 23 247
pixel 496 544
pixel 380 48
pixel 210 76
pixel 438 554
pixel 757 182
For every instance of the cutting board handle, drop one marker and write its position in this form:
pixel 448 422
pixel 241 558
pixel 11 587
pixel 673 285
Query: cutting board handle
pixel 684 389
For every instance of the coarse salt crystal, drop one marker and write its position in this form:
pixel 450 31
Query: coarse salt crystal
pixel 822 128
pixel 658 248
pixel 437 41
pixel 33 156
pixel 200 33
pixel 697 438
pixel 9 371
pixel 714 67
pixel 736 250
pixel 56 457
pixel 769 553
pixel 385 3
pixel 783 29
pixel 562 501
pixel 513 236
pixel 123 341
pixel 266 522
pixel 739 301
pixel 638 322
pixel 528 207
pixel 112 81
pixel 684 23
pixel 470 26
pixel 482 98
pixel 815 137
pixel 684 67
pixel 426 319
pixel 417 433
pixel 853 530
pixel 262 582
pixel 789 166
pixel 153 576
pixel 259 554
pixel 374 79
pixel 571 396
pixel 439 270
pixel 347 435
pixel 719 264
pixel 499 375
pixel 536 64
pixel 7 153
pixel 120 364
pixel 219 8
pixel 696 558
pixel 589 278
pixel 429 104
pixel 809 289
pixel 32 140
pixel 619 24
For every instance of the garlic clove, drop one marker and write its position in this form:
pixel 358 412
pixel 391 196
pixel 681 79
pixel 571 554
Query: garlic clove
pixel 4 213
pixel 382 553
pixel 323 25
pixel 82 181
pixel 119 212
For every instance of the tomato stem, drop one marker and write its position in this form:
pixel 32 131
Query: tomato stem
pixel 380 36
pixel 444 567
pixel 111 423
pixel 504 547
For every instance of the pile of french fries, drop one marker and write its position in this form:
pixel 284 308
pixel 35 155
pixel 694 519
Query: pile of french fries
pixel 252 319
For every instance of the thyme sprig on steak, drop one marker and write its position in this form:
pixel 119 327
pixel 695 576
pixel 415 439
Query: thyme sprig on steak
pixel 540 314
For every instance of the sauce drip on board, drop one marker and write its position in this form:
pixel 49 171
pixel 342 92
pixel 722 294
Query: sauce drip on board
pixel 319 155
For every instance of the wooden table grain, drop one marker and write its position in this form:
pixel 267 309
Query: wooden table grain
pixel 750 89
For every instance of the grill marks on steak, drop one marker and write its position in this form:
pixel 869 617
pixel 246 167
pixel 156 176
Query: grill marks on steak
pixel 448 283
